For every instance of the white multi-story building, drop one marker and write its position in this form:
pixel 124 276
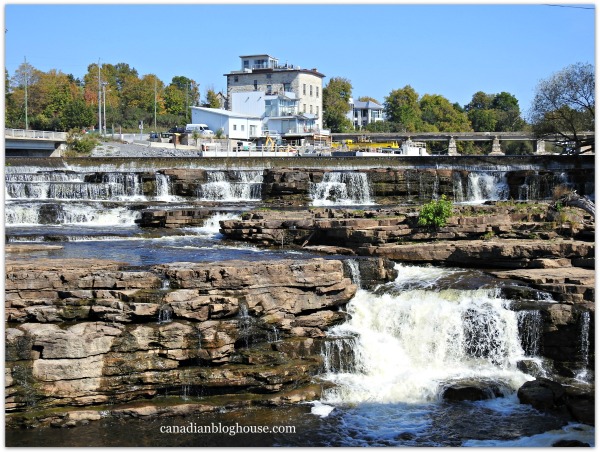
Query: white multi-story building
pixel 364 112
pixel 288 98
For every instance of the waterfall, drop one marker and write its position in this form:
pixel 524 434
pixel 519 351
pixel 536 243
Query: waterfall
pixel 96 215
pixel 482 187
pixel 163 186
pixel 541 186
pixel 410 344
pixel 338 355
pixel 165 314
pixel 457 188
pixel 354 272
pixel 273 336
pixel 73 186
pixel 21 214
pixel 530 331
pixel 584 346
pixel 244 324
pixel 232 186
pixel 342 188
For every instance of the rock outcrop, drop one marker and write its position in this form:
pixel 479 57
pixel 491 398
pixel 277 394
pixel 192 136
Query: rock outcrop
pixel 91 332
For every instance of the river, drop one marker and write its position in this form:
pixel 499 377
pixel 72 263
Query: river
pixel 405 343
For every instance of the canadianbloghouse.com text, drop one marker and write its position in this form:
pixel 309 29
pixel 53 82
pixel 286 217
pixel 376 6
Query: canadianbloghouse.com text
pixel 230 430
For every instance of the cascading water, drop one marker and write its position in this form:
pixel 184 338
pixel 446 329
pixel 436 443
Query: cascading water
pixel 163 186
pixel 484 186
pixel 232 186
pixel 540 186
pixel 584 346
pixel 342 188
pixel 530 331
pixel 411 344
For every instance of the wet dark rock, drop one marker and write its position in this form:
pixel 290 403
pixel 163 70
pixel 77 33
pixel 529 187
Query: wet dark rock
pixel 543 394
pixel 570 443
pixel 471 391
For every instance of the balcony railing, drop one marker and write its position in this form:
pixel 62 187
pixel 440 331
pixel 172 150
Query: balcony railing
pixel 27 133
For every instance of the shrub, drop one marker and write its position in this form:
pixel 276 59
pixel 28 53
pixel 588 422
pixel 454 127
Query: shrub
pixel 80 144
pixel 435 214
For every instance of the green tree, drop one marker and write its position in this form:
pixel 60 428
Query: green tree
pixel 336 98
pixel 402 107
pixel 78 115
pixel 212 100
pixel 367 99
pixel 564 105
pixel 438 114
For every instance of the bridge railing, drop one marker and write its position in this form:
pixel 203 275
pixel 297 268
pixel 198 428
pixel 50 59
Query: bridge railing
pixel 27 133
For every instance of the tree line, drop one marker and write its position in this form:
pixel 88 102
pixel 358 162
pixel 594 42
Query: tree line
pixel 57 101
pixel 563 105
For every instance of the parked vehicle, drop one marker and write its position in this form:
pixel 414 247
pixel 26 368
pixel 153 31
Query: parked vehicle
pixel 202 129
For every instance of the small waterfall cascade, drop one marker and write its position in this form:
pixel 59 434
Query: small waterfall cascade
pixel 232 185
pixel 273 336
pixel 584 346
pixel 163 187
pixel 530 331
pixel 338 355
pixel 165 314
pixel 30 214
pixel 457 188
pixel 244 325
pixel 411 343
pixel 540 186
pixel 212 225
pixel 60 185
pixel 484 186
pixel 354 272
pixel 342 188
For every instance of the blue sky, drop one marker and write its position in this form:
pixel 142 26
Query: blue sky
pixel 448 49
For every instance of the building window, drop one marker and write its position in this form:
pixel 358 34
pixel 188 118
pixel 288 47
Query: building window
pixel 235 78
pixel 317 112
pixel 287 87
pixel 246 64
pixel 317 88
pixel 242 128
pixel 304 89
pixel 255 85
pixel 235 127
pixel 304 109
pixel 311 109
pixel 311 90
pixel 269 89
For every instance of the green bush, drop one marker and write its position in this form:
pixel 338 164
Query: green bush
pixel 79 144
pixel 435 214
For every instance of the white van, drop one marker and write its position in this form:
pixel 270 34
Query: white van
pixel 202 129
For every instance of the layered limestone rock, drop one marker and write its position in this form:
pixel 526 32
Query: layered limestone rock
pixel 89 332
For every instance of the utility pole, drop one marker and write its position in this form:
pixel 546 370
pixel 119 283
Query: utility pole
pixel 104 102
pixel 99 99
pixel 155 80
pixel 26 82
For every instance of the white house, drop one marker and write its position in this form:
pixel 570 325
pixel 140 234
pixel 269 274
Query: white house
pixel 363 113
pixel 236 126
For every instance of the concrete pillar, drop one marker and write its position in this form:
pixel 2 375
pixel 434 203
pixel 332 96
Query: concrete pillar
pixel 452 151
pixel 540 147
pixel 496 149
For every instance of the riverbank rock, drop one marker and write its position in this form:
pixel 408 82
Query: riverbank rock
pixel 546 395
pixel 89 332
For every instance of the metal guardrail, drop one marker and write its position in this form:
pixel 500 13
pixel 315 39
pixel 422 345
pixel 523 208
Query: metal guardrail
pixel 27 133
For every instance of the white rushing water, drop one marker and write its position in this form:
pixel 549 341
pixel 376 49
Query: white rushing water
pixel 232 186
pixel 410 345
pixel 342 188
pixel 93 214
pixel 484 186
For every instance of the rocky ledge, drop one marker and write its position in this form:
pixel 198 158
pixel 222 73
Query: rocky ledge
pixel 92 332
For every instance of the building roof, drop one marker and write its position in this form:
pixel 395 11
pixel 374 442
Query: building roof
pixel 228 113
pixel 367 105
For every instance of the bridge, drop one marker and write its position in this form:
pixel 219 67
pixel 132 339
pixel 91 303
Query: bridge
pixel 25 142
pixel 453 137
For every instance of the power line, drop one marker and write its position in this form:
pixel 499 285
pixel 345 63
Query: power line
pixel 571 6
